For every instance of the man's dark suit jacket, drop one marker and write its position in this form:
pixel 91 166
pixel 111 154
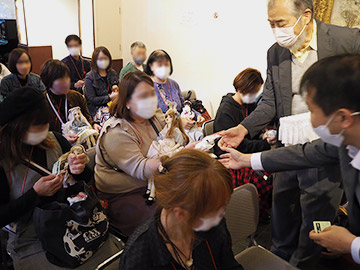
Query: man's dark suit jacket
pixel 319 154
pixel 277 94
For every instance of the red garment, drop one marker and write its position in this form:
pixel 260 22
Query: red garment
pixel 264 188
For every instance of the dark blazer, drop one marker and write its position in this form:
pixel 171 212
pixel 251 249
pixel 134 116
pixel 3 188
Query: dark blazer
pixel 71 62
pixel 11 82
pixel 96 93
pixel 277 94
pixel 319 154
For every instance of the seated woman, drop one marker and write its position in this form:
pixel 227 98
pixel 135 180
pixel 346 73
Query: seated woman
pixel 20 66
pixel 159 67
pixel 232 111
pixel 24 134
pixel 188 230
pixel 101 83
pixel 122 168
pixel 56 78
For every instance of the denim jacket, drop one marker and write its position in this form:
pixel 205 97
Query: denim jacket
pixel 96 92
pixel 11 82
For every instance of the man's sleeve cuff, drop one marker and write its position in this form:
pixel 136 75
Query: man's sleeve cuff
pixel 355 250
pixel 256 162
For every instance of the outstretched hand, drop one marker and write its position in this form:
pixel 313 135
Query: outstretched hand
pixel 235 160
pixel 233 136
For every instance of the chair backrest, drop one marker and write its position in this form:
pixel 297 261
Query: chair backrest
pixel 208 127
pixel 259 258
pixel 242 213
pixel 192 94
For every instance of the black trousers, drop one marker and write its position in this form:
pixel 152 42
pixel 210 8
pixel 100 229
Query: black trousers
pixel 299 198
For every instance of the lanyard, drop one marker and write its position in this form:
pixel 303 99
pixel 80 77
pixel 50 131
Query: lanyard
pixel 56 113
pixel 163 96
pixel 83 68
pixel 212 257
pixel 246 109
pixel 27 83
pixel 26 172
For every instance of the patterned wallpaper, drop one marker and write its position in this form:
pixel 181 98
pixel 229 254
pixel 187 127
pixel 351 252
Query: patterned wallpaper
pixel 346 13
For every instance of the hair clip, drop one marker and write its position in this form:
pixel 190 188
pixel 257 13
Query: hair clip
pixel 162 169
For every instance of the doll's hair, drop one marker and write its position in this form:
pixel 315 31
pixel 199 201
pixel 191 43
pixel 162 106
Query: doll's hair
pixel 193 181
pixel 176 123
pixel 72 117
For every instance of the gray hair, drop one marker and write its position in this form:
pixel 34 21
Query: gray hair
pixel 297 7
pixel 137 44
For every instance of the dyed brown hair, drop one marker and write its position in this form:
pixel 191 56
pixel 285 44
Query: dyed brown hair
pixel 126 88
pixel 95 56
pixel 248 81
pixel 195 182
pixel 176 123
pixel 53 70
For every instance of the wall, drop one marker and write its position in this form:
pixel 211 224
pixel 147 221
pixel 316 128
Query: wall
pixel 48 22
pixel 86 27
pixel 108 25
pixel 207 53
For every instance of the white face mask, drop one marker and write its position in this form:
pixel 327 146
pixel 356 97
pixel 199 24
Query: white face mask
pixel 249 98
pixel 285 36
pixel 324 133
pixel 103 64
pixel 35 138
pixel 74 51
pixel 162 72
pixel 146 107
pixel 208 223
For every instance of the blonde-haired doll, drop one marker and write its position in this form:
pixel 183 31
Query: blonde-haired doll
pixel 170 141
pixel 174 128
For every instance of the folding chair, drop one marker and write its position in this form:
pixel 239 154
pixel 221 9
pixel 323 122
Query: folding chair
pixel 208 127
pixel 242 216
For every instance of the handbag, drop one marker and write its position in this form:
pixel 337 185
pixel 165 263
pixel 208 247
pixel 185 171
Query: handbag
pixel 72 226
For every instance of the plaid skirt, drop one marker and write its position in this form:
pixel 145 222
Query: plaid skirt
pixel 264 188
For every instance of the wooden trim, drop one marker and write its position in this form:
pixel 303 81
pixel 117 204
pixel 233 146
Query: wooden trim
pixel 93 15
pixel 17 22
pixel 79 18
pixel 117 64
pixel 27 40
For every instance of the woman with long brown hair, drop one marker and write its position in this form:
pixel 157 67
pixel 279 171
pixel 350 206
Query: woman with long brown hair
pixel 24 140
pixel 188 230
pixel 122 167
